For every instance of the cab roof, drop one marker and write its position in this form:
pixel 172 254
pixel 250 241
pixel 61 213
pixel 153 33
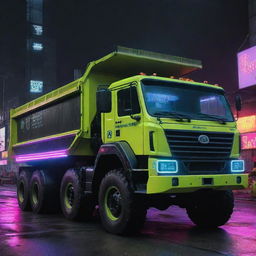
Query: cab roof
pixel 181 81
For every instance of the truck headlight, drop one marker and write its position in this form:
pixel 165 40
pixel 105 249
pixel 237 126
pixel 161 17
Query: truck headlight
pixel 237 166
pixel 167 166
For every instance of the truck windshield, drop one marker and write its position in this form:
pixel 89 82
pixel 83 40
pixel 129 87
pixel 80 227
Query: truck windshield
pixel 185 102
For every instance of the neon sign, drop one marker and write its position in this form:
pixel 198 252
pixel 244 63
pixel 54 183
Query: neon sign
pixel 247 67
pixel 246 124
pixel 248 140
pixel 4 154
pixel 3 162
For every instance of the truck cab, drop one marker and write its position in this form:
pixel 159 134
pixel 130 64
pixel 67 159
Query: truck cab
pixel 183 130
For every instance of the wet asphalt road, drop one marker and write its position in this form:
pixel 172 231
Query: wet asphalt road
pixel 165 233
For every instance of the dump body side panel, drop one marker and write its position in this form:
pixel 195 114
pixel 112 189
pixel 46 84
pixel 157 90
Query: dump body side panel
pixel 48 123
pixel 58 118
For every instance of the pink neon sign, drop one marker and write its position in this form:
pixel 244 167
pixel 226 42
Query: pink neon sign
pixel 3 162
pixel 247 67
pixel 246 124
pixel 248 140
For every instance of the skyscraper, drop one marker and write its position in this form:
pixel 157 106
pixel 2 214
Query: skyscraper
pixel 41 60
pixel 28 54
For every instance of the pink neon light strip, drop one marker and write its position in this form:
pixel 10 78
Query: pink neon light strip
pixel 43 153
pixel 41 156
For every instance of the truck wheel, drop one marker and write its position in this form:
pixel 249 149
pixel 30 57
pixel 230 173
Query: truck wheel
pixel 75 204
pixel 211 209
pixel 120 212
pixel 23 190
pixel 43 192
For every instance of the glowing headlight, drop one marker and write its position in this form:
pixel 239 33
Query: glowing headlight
pixel 167 166
pixel 237 166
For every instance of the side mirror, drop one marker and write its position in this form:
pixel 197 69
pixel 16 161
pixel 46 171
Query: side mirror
pixel 238 102
pixel 103 100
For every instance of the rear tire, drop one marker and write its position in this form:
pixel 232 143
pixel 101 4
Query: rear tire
pixel 75 204
pixel 44 196
pixel 120 211
pixel 211 209
pixel 23 190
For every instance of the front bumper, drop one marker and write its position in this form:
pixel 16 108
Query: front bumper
pixel 191 183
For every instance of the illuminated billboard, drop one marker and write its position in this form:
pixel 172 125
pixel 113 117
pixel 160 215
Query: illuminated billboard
pixel 247 67
pixel 248 140
pixel 2 139
pixel 246 124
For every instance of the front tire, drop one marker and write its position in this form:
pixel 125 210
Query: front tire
pixel 120 211
pixel 211 209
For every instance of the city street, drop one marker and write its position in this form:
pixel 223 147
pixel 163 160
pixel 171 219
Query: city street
pixel 102 102
pixel 168 232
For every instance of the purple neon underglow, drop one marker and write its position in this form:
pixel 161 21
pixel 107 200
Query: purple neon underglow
pixel 40 156
pixel 47 139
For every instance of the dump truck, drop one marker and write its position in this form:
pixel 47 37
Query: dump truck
pixel 130 134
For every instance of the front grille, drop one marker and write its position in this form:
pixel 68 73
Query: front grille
pixel 185 144
pixel 205 166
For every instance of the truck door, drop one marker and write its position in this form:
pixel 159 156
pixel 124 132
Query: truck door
pixel 126 127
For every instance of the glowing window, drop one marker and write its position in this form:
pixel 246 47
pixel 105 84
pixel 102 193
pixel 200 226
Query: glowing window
pixel 36 86
pixel 37 30
pixel 37 46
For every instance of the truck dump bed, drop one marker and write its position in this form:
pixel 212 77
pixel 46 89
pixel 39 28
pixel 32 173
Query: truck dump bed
pixel 60 121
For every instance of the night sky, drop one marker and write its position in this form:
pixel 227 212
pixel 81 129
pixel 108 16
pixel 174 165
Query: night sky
pixel 85 30
pixel 209 30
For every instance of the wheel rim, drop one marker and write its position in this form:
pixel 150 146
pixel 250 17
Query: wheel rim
pixel 69 196
pixel 35 193
pixel 21 192
pixel 112 203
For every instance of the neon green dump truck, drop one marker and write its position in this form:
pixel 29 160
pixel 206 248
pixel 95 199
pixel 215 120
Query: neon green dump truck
pixel 124 142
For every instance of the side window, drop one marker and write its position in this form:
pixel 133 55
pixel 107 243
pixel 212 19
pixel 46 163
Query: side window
pixel 128 102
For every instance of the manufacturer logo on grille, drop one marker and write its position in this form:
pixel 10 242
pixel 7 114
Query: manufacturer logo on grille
pixel 204 139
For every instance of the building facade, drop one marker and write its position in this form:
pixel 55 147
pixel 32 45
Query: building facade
pixel 41 50
pixel 28 56
pixel 247 89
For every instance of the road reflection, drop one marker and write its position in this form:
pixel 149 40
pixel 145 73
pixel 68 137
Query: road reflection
pixel 237 237
pixel 21 232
